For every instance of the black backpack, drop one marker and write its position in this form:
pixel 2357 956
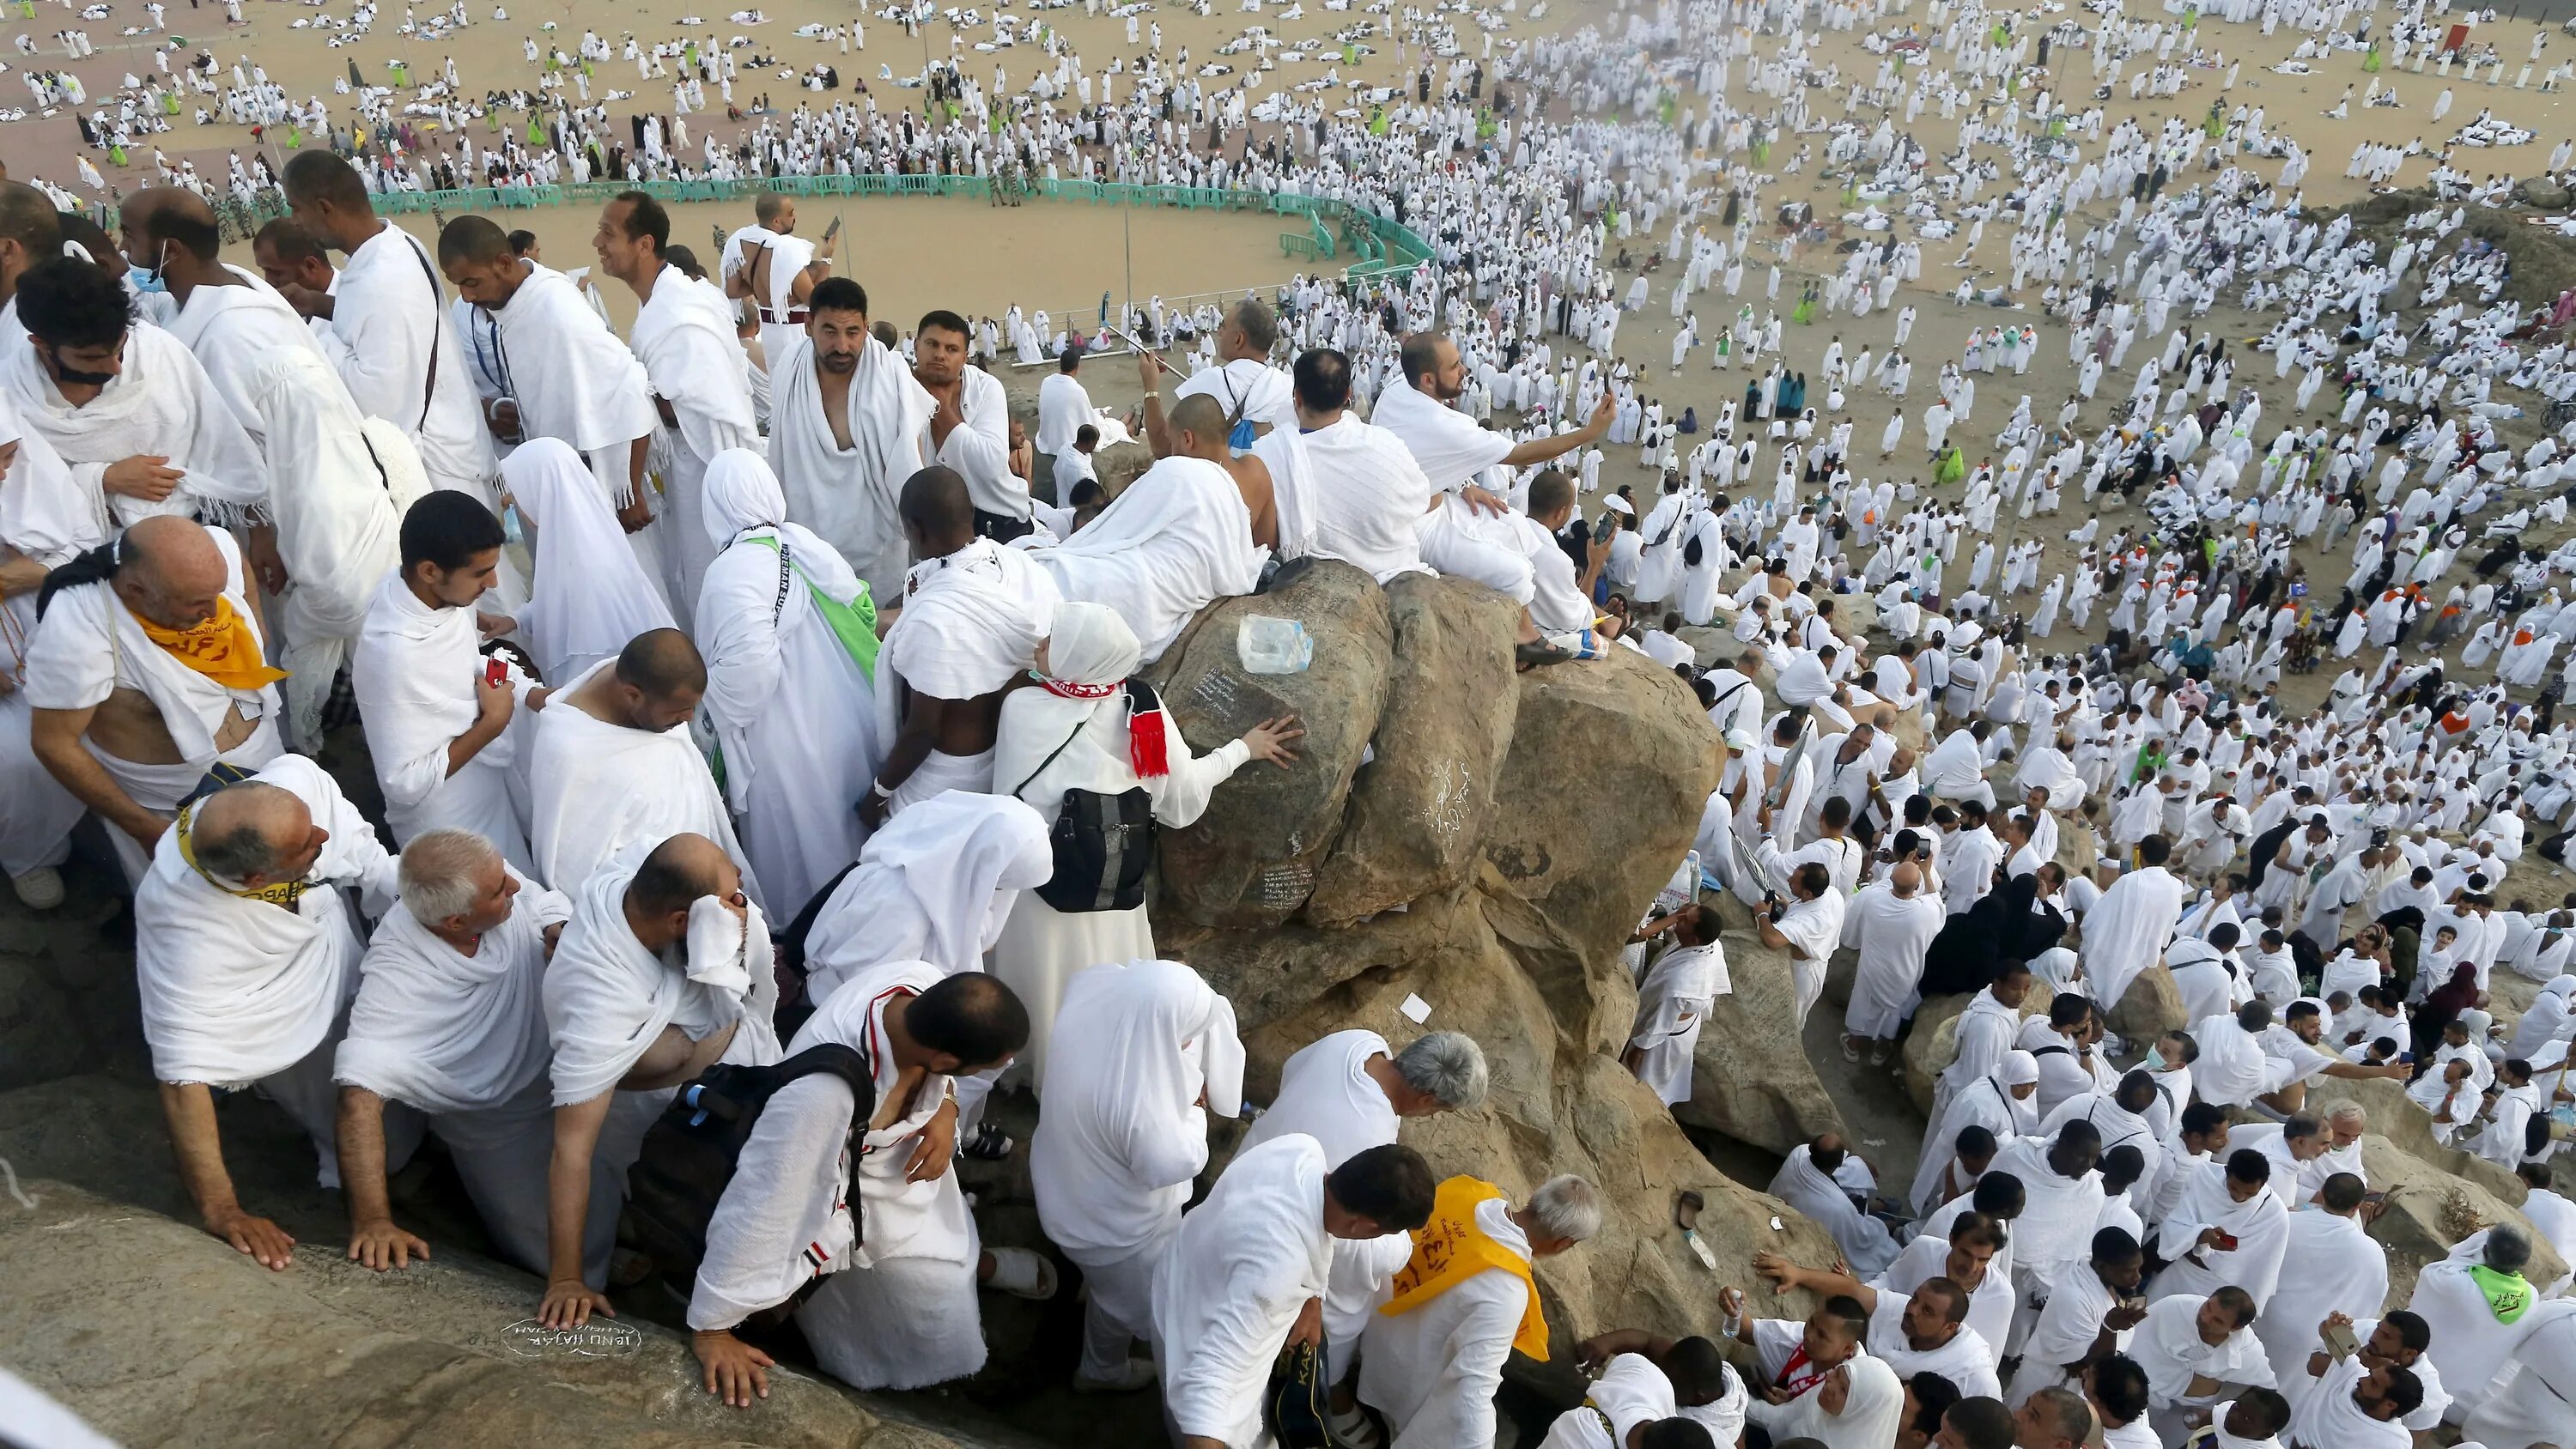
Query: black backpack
pixel 690 1151
pixel 1103 844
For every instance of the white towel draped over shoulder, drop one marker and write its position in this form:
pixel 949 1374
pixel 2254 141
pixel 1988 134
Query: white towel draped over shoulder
pixel 235 989
pixel 46 511
pixel 414 672
pixel 1178 539
pixel 339 484
pixel 1123 1136
pixel 160 402
pixel 235 332
pixel 936 885
pixel 444 1031
pixel 970 620
pixel 926 1219
pixel 573 379
pixel 1367 497
pixel 684 336
pixel 851 497
pixel 598 787
pixel 1446 443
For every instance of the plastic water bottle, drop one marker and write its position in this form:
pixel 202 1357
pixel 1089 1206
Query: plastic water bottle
pixel 1268 645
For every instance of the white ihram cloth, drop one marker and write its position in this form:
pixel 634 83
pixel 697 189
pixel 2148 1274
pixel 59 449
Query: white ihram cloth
pixel 596 788
pixel 901 1311
pixel 1049 743
pixel 979 447
pixel 573 381
pixel 934 885
pixel 1990 1303
pixel 2064 1333
pixel 1432 1369
pixel 1808 1188
pixel 395 346
pixel 463 1038
pixel 1293 488
pixel 236 991
pixel 1367 499
pixel 2259 1224
pixel 2055 1230
pixel 971 621
pixel 2127 929
pixel 1985 1032
pixel 684 336
pixel 1672 1006
pixel 2328 1418
pixel 1631 1391
pixel 46 517
pixel 1233 1281
pixel 607 998
pixel 90 645
pixel 339 484
pixel 1966 1360
pixel 414 671
pixel 852 497
pixel 2119 1127
pixel 793 712
pixel 2169 1347
pixel 160 403
pixel 1174 541
pixel 2469 1346
pixel 2232 1068
pixel 1892 932
pixel 2329 1266
pixel 1989 1104
pixel 235 331
pixel 1325 1092
pixel 1872 1407
pixel 591 596
pixel 1446 444
pixel 2536 1397
pixel 1123 1135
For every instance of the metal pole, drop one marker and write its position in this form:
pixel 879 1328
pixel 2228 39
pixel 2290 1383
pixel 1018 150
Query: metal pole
pixel 1127 234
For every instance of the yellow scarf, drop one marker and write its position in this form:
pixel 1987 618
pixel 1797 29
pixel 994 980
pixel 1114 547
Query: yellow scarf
pixel 278 893
pixel 224 649
pixel 1451 1248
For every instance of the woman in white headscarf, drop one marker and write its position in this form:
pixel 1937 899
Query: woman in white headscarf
pixel 789 636
pixel 2005 1102
pixel 1858 1406
pixel 935 885
pixel 1149 1051
pixel 590 597
pixel 46 517
pixel 1080 730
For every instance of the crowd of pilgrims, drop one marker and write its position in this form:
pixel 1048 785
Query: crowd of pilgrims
pixel 734 688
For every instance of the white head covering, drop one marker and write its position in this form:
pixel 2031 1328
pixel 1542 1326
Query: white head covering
pixel 590 596
pixel 1091 644
pixel 935 885
pixel 741 497
pixel 1872 1405
pixel 2018 1069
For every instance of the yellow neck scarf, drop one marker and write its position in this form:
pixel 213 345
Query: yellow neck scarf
pixel 280 893
pixel 224 649
pixel 1451 1248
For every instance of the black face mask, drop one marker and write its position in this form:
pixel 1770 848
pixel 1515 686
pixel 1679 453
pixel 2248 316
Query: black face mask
pixel 73 377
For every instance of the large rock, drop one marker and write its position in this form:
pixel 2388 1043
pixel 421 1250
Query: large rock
pixel 1753 1080
pixel 157 1333
pixel 2429 1210
pixel 2409 1129
pixel 1930 1047
pixel 2150 1007
pixel 1424 799
pixel 1253 861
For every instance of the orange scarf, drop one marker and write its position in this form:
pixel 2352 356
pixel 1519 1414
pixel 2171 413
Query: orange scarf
pixel 224 648
pixel 1451 1248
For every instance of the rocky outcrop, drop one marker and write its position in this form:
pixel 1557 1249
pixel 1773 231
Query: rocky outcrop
pixel 1754 1081
pixel 327 1352
pixel 2409 1129
pixel 2429 1210
pixel 1490 859
pixel 2151 1007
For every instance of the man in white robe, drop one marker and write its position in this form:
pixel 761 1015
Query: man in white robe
pixel 2477 1311
pixel 2328 1266
pixel 664 971
pixel 2194 1348
pixel 1632 1405
pixel 789 635
pixel 2125 932
pixel 613 765
pixel 245 953
pixel 1985 1031
pixel 2535 1395
pixel 128 725
pixel 449 1021
pixel 1922 1330
pixel 2088 1308
pixel 1890 924
pixel 2062 1199
pixel 2354 1404
pixel 970 426
pixel 1174 541
pixel 46 519
pixel 700 376
pixel 389 333
pixel 438 728
pixel 896 1308
pixel 1819 1178
pixel 1124 1136
pixel 2226 1229
pixel 1673 1002
pixel 1432 1358
pixel 1353 484
pixel 848 426
pixel 1244 1276
pixel 973 616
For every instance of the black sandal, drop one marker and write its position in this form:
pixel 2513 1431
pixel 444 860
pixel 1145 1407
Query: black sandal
pixel 989 1144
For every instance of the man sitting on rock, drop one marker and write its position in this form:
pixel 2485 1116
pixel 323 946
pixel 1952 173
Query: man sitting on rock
pixel 1791 1358
pixel 1924 1331
pixel 1705 1389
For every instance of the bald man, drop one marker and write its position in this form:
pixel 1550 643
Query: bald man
pixel 128 716
pixel 245 951
pixel 1891 924
pixel 29 233
pixel 663 972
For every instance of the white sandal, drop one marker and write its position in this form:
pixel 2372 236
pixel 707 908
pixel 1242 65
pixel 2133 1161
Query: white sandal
pixel 1022 1274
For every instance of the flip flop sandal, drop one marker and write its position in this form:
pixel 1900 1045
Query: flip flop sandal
pixel 1023 1274
pixel 989 1144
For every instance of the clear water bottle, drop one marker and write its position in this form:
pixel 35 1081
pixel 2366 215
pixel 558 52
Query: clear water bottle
pixel 1268 645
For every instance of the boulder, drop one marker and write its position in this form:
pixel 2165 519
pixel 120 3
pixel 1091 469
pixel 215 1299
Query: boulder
pixel 1252 861
pixel 1421 803
pixel 1752 1079
pixel 2409 1129
pixel 2429 1210
pixel 2151 1007
pixel 141 1324
pixel 1930 1047
pixel 2540 194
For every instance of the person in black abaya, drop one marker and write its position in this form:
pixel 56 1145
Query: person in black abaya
pixel 2010 924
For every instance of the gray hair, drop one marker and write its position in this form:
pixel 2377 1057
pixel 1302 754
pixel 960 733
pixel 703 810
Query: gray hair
pixel 1446 1066
pixel 1567 1208
pixel 2349 1112
pixel 244 850
pixel 2508 1248
pixel 437 873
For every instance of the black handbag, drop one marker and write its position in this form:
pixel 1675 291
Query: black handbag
pixel 1103 844
pixel 1296 1406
